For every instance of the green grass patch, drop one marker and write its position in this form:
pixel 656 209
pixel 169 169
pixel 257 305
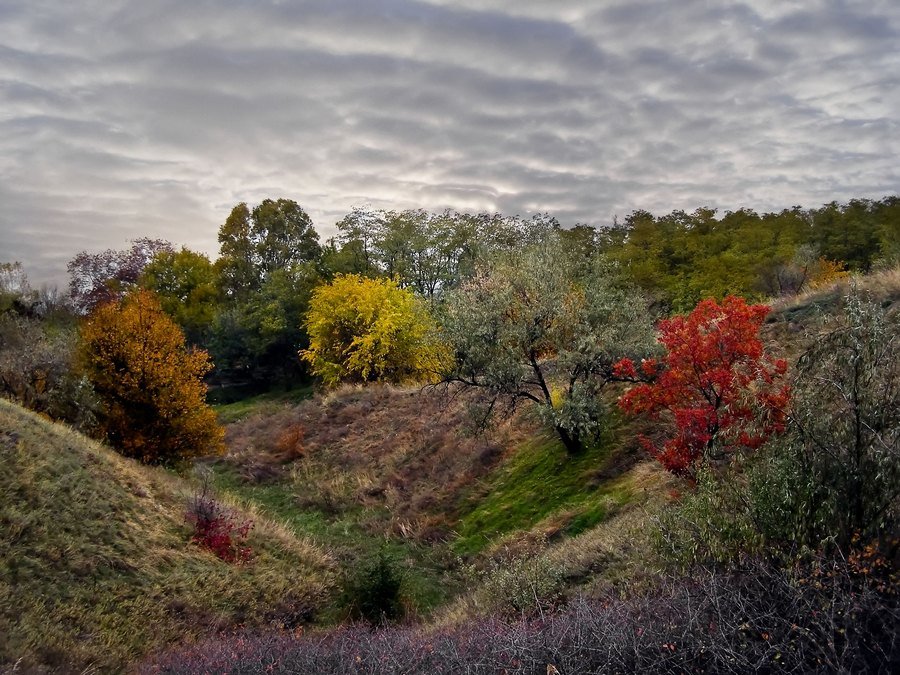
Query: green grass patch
pixel 537 481
pixel 354 535
pixel 238 410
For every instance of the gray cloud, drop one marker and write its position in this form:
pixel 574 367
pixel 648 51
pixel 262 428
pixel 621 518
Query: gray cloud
pixel 121 119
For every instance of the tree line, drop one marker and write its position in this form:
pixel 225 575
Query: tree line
pixel 244 307
pixel 573 323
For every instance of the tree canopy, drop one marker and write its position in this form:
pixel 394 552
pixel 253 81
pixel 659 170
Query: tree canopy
pixel 150 384
pixel 528 328
pixel 364 330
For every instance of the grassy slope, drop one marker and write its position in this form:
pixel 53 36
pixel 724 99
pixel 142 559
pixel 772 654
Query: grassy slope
pixel 363 469
pixel 95 564
pixel 539 485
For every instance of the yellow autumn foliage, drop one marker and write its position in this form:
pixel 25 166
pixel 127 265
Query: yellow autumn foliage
pixel 367 330
pixel 150 383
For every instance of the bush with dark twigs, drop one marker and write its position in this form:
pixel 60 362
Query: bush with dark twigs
pixel 824 617
pixel 216 528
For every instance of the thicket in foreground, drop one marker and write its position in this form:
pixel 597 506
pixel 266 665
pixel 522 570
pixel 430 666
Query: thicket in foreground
pixel 825 617
pixel 149 383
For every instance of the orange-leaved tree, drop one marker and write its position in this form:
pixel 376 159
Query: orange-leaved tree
pixel 150 383
pixel 716 388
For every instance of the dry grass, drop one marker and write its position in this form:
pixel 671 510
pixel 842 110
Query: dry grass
pixel 882 285
pixel 796 320
pixel 401 450
pixel 96 568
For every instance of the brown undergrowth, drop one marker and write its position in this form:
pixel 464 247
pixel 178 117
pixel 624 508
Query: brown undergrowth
pixel 409 451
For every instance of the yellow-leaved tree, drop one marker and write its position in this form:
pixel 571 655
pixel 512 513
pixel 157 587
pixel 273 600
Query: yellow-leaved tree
pixel 150 384
pixel 368 330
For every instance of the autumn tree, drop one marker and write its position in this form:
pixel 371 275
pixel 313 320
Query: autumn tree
pixel 531 329
pixel 364 330
pixel 149 382
pixel 716 388
pixel 96 278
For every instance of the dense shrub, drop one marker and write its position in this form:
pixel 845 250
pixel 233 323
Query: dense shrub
pixel 367 330
pixel 518 584
pixel 717 390
pixel 373 591
pixel 844 445
pixel 833 476
pixel 821 618
pixel 36 370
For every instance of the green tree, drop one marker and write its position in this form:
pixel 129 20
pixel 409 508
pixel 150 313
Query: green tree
pixel 275 235
pixel 237 265
pixel 525 329
pixel 257 339
pixel 365 330
pixel 187 287
pixel 284 236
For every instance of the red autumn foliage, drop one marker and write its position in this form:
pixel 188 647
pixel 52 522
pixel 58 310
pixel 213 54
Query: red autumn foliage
pixel 716 385
pixel 216 529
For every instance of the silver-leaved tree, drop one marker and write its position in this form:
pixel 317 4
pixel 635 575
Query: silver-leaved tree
pixel 536 328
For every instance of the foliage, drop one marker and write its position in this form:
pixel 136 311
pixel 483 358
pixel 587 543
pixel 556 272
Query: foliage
pixel 832 477
pixel 150 384
pixel 365 330
pixel 216 528
pixel 716 387
pixel 267 269
pixel 187 287
pixel 36 370
pixel 275 235
pixel 14 287
pixel 682 258
pixel 374 590
pixel 844 444
pixel 430 253
pixel 258 339
pixel 524 329
pixel 98 278
pixel 513 584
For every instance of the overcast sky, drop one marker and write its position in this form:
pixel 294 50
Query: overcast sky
pixel 129 118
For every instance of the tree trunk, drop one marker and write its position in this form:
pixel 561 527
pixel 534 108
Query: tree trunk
pixel 571 440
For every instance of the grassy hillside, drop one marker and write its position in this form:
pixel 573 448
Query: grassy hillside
pixel 96 568
pixel 362 470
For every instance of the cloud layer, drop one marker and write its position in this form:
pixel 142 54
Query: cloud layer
pixel 127 118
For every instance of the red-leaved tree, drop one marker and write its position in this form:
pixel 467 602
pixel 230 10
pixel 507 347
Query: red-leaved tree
pixel 716 387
